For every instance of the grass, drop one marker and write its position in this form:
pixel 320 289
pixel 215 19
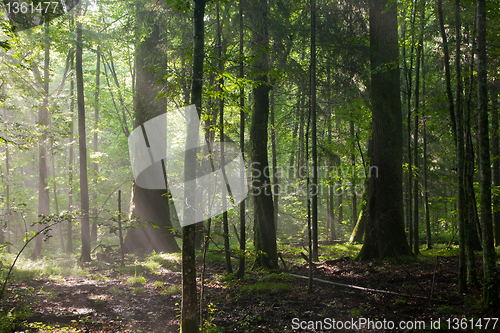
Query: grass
pixel 52 268
pixel 266 288
pixel 136 280
pixel 172 290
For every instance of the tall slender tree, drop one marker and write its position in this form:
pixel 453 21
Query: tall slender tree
pixel 241 267
pixel 314 148
pixel 189 322
pixel 490 283
pixel 462 268
pixel 43 120
pixel 82 146
pixel 69 243
pixel 95 165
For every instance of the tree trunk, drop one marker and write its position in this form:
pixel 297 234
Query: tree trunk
pixel 490 287
pixel 82 145
pixel 385 235
pixel 495 152
pixel 314 187
pixel 189 322
pixel 408 76
pixel 69 244
pixel 331 200
pixel 354 204
pixel 43 120
pixel 275 166
pixel 424 135
pixel 221 127
pixel 416 187
pixel 359 229
pixel 95 166
pixel 7 191
pixel 241 267
pixel 462 268
pixel 264 232
pixel 447 74
pixel 472 242
pixel 149 205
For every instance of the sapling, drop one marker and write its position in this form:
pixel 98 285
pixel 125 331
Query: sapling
pixel 49 221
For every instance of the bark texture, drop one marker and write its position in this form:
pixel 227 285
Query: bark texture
pixel 385 236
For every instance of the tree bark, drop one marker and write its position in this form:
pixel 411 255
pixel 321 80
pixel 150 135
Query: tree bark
pixel 149 205
pixel 447 75
pixel 7 191
pixel 69 243
pixel 82 145
pixel 43 120
pixel 385 236
pixel 241 267
pixel 189 322
pixel 314 187
pixel 225 225
pixel 490 286
pixel 495 152
pixel 462 267
pixel 275 166
pixel 264 231
pixel 95 166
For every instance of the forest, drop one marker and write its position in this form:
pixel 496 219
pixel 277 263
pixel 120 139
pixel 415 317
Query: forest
pixel 249 166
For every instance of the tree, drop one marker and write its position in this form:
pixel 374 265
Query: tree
pixel 189 322
pixel 264 232
pixel 43 120
pixel 495 152
pixel 241 267
pixel 315 188
pixel 95 165
pixel 69 243
pixel 149 206
pixel 82 146
pixel 462 268
pixel 490 284
pixel 384 236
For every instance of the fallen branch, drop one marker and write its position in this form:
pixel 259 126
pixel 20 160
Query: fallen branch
pixel 282 261
pixel 306 258
pixel 357 287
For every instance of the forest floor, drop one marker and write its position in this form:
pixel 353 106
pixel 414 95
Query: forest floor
pixel 145 297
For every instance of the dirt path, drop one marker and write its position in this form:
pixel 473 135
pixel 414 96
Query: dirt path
pixel 111 302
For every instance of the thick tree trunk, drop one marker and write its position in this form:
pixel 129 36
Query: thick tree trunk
pixel 490 287
pixel 385 236
pixel 359 229
pixel 264 232
pixel 149 205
